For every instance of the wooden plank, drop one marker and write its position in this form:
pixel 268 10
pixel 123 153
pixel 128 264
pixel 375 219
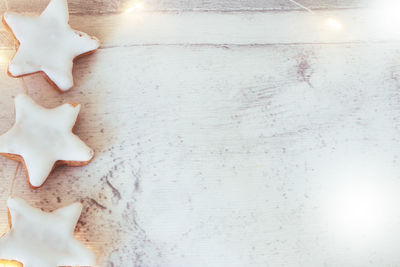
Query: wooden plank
pixel 222 138
pixel 208 156
pixel 212 28
pixel 117 6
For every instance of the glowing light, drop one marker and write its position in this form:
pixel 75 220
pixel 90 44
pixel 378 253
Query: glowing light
pixel 136 7
pixel 334 24
pixel 6 263
pixel 4 58
pixel 129 10
pixel 139 5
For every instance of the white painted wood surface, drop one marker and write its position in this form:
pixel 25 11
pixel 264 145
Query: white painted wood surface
pixel 116 6
pixel 226 138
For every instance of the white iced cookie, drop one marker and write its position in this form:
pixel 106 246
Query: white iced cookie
pixel 42 239
pixel 42 138
pixel 48 44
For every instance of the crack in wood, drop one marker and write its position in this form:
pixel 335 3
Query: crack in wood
pixel 114 190
pixel 94 202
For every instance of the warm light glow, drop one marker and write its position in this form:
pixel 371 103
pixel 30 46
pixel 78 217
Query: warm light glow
pixel 334 24
pixel 4 58
pixel 139 5
pixel 6 263
pixel 129 10
pixel 135 7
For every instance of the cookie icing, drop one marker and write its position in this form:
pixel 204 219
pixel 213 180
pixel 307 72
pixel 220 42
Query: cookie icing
pixel 42 239
pixel 48 44
pixel 44 136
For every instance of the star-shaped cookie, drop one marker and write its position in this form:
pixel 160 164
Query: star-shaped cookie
pixel 47 44
pixel 42 138
pixel 42 239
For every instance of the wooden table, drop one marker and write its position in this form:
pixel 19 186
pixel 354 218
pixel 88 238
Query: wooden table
pixel 228 133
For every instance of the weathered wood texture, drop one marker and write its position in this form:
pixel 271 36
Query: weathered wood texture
pixel 115 6
pixel 222 139
pixel 221 156
pixel 199 28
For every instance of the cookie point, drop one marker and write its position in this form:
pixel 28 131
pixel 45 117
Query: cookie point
pixel 66 86
pixel 13 69
pixel 36 183
pixel 6 15
pixel 90 156
pixel 97 41
pixel 12 201
pixel 79 206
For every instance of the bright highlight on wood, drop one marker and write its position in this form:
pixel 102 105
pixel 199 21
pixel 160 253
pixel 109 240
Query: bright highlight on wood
pixel 136 7
pixel 334 24
pixel 4 58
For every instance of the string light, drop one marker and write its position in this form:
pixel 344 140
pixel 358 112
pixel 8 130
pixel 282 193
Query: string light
pixel 334 24
pixel 135 7
pixel 301 6
pixel 6 263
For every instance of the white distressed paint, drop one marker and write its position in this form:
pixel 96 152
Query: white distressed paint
pixel 228 155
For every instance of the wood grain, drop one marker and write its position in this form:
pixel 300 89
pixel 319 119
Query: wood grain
pixel 200 147
pixel 116 6
pixel 225 138
pixel 212 28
